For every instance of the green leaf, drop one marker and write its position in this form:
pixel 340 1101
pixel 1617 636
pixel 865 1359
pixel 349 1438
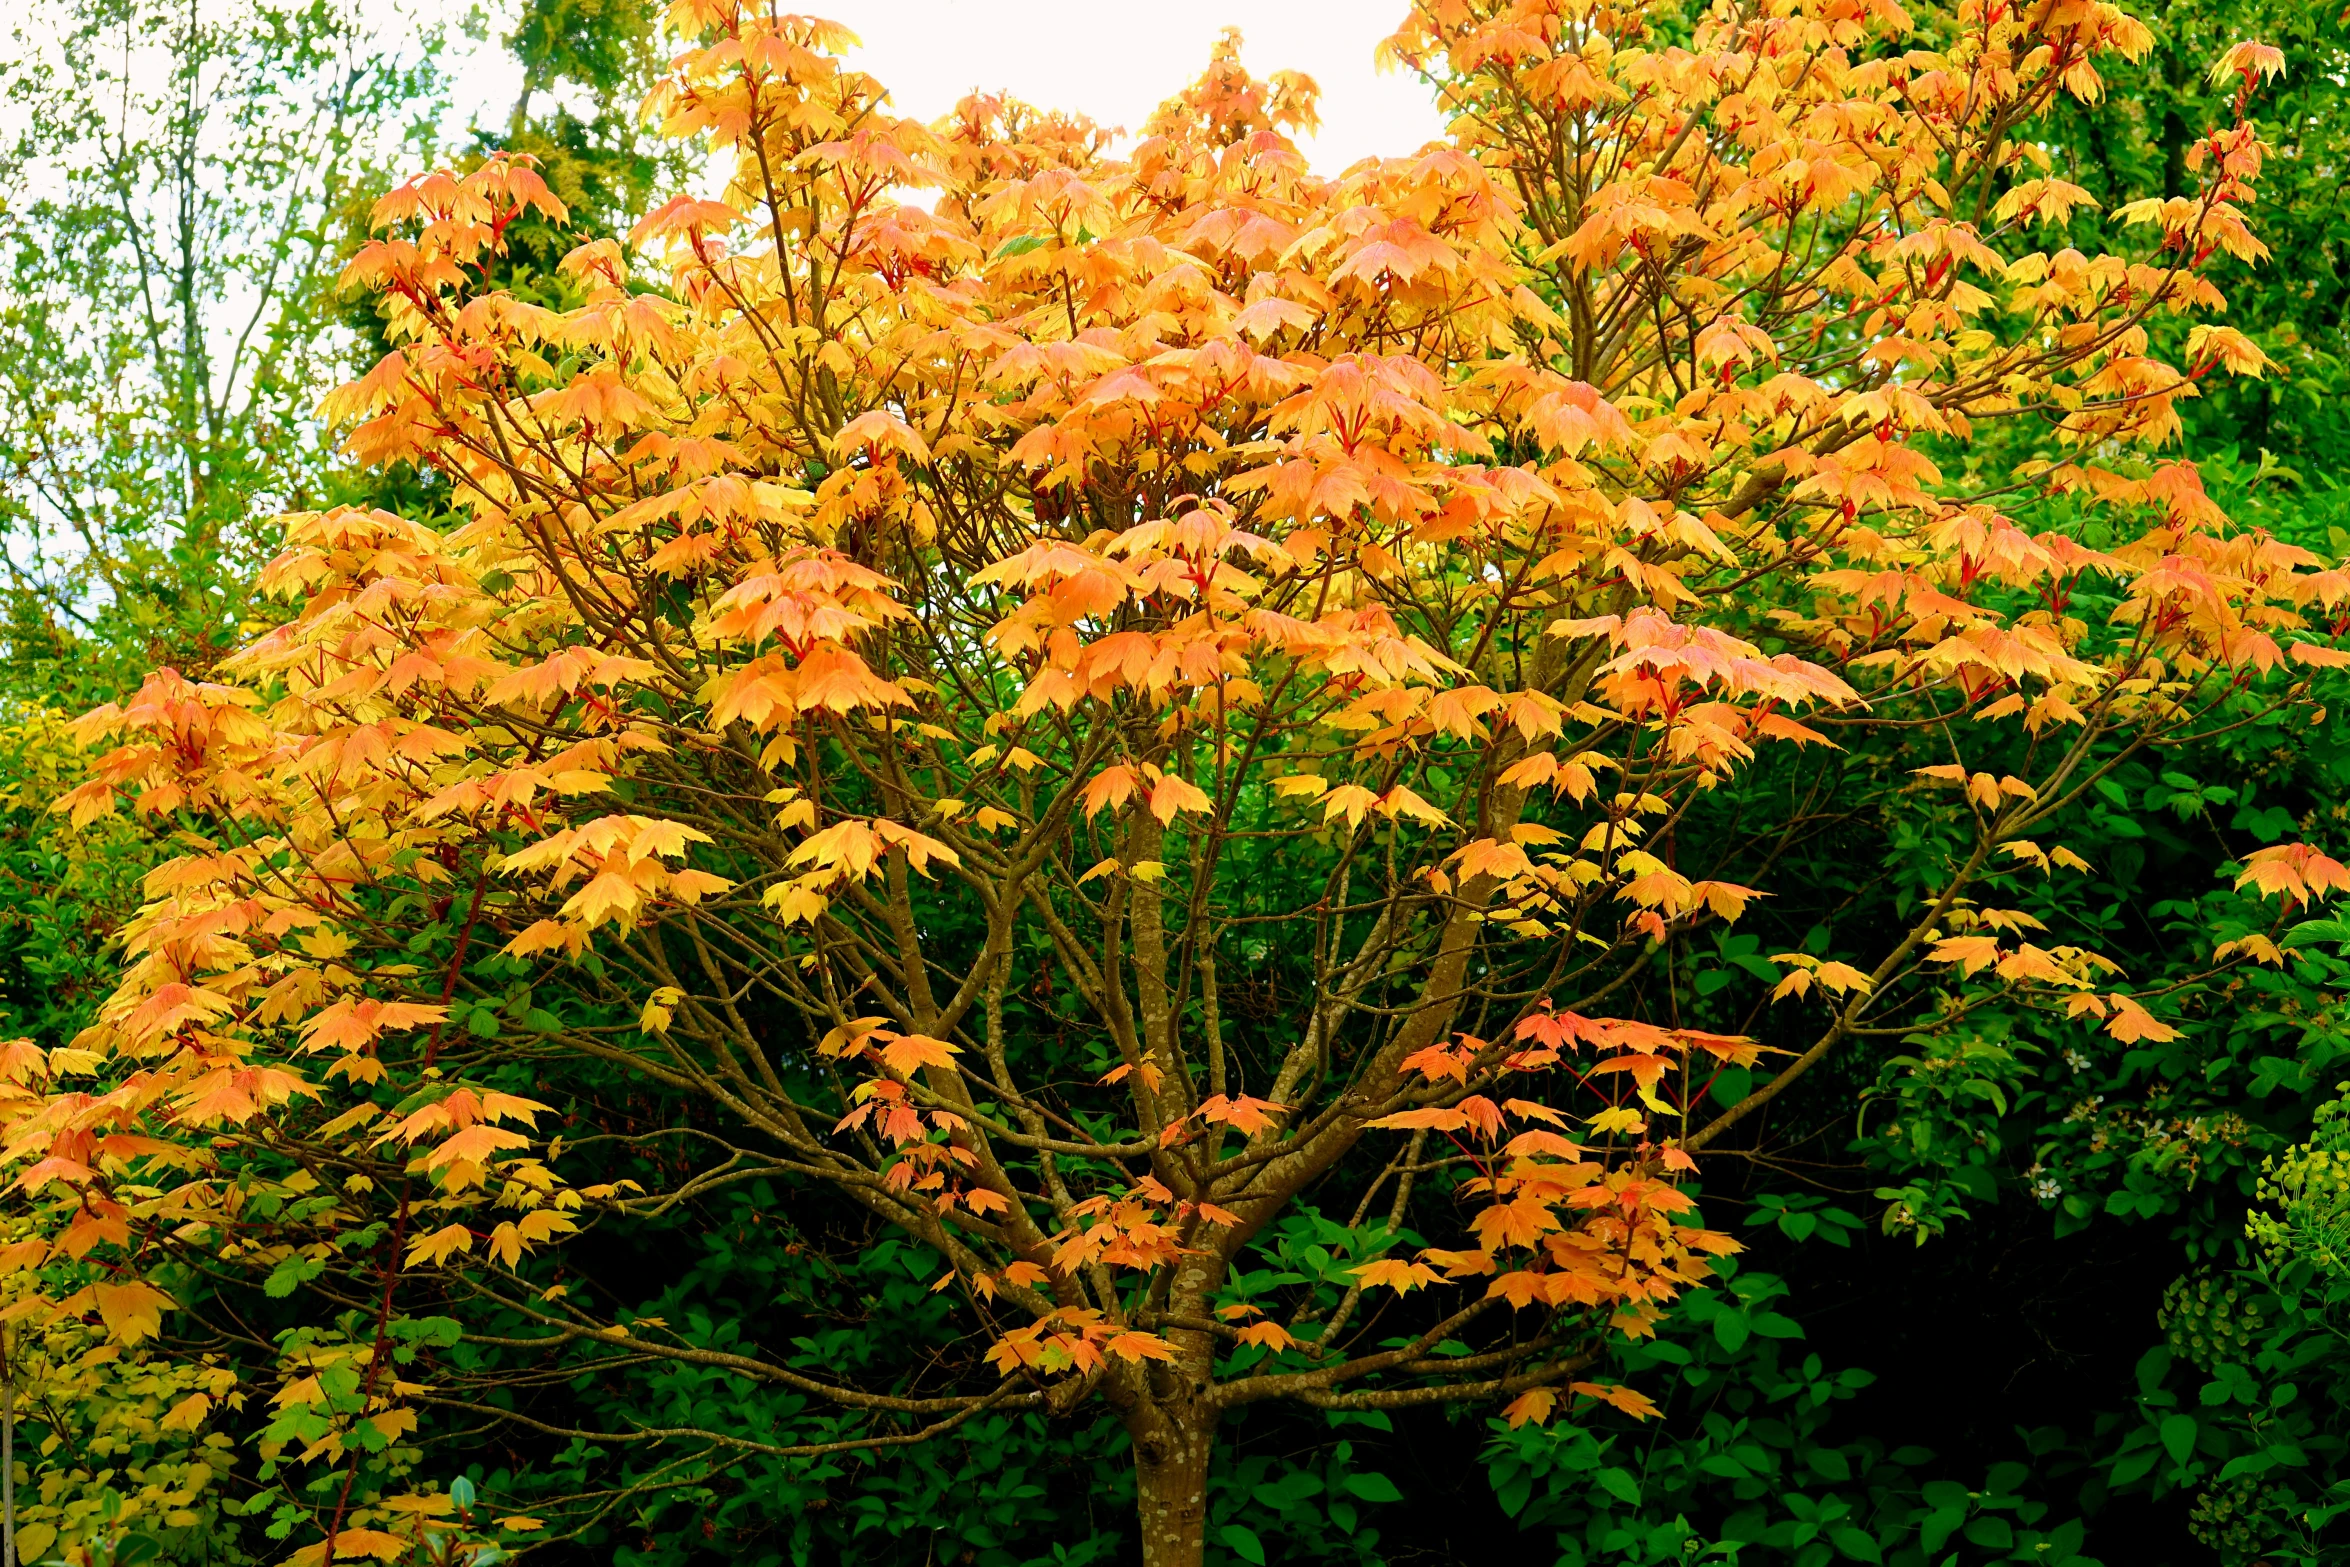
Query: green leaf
pixel 1858 1544
pixel 440 1332
pixel 1244 1543
pixel 290 1275
pixel 1944 1494
pixel 1373 1488
pixel 1940 1526
pixel 2310 933
pixel 1990 1531
pixel 2247 1464
pixel 1291 1489
pixel 1619 1484
pixel 2178 1437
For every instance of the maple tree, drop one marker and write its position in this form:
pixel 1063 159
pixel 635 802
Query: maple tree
pixel 901 681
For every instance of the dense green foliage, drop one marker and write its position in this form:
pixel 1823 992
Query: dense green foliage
pixel 2174 1386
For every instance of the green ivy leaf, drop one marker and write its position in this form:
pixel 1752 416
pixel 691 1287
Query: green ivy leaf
pixel 2178 1437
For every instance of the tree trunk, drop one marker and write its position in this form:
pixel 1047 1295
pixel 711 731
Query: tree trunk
pixel 2178 79
pixel 7 1454
pixel 1171 1489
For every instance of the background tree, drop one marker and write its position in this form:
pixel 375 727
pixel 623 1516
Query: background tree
pixel 183 173
pixel 2140 136
pixel 586 67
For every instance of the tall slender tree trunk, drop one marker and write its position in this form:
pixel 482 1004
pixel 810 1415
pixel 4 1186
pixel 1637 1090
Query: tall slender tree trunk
pixel 2178 79
pixel 1171 1459
pixel 7 1455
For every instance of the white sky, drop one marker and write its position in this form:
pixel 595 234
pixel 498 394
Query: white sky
pixel 1113 60
pixel 1117 59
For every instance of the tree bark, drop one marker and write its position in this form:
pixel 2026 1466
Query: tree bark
pixel 1171 1486
pixel 7 1455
